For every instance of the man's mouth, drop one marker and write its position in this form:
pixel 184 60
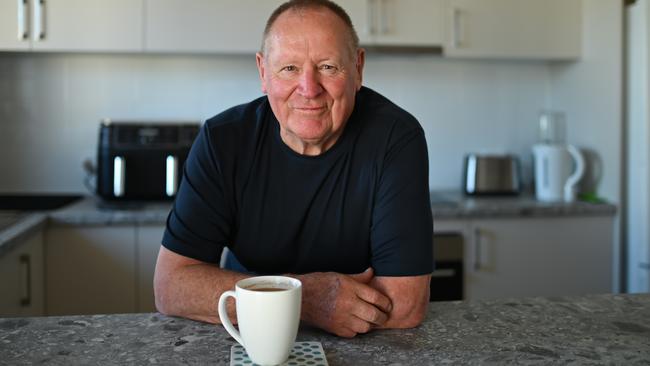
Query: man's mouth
pixel 308 109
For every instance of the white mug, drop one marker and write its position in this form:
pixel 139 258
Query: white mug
pixel 268 315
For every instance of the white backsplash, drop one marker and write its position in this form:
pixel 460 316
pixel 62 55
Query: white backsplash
pixel 51 105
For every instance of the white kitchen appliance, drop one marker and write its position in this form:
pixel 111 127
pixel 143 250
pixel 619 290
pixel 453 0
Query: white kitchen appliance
pixel 558 166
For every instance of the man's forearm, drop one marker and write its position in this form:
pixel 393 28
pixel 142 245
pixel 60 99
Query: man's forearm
pixel 192 290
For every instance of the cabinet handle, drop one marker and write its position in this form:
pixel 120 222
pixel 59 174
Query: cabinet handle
pixel 23 20
pixel 370 27
pixel 383 10
pixel 26 264
pixel 457 28
pixel 443 273
pixel 477 249
pixel 39 16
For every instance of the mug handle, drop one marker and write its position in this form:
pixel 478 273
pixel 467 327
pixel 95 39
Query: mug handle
pixel 223 315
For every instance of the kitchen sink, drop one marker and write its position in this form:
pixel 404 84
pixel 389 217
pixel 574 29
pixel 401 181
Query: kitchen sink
pixel 36 202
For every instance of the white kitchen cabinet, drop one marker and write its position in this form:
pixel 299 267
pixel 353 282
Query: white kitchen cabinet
pixel 21 278
pixel 206 26
pixel 90 269
pixel 534 256
pixel 526 29
pixel 397 23
pixel 539 257
pixel 148 239
pixel 72 25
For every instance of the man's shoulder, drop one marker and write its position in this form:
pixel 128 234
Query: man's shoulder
pixel 382 111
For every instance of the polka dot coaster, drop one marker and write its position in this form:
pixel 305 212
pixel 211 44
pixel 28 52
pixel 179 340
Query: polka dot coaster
pixel 302 354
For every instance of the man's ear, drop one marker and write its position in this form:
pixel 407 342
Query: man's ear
pixel 259 59
pixel 361 61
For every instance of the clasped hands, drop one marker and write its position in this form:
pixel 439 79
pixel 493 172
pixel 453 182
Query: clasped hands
pixel 345 305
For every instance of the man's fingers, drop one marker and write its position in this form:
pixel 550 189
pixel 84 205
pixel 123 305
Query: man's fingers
pixel 365 276
pixel 358 325
pixel 374 297
pixel 370 313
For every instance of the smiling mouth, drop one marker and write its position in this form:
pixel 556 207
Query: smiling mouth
pixel 309 109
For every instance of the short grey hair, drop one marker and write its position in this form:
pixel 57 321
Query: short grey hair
pixel 298 5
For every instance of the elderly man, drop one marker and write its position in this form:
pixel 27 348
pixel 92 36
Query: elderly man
pixel 322 179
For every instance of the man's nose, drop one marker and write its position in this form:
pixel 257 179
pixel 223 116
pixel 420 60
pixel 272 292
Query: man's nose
pixel 309 85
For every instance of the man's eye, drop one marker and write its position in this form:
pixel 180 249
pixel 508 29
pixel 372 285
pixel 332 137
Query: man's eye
pixel 328 68
pixel 289 68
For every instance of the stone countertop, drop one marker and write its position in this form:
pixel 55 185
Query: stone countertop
pixel 595 329
pixel 18 227
pixel 92 211
pixel 456 205
pixel 444 205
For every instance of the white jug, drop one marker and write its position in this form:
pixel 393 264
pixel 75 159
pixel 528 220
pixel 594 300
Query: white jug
pixel 554 181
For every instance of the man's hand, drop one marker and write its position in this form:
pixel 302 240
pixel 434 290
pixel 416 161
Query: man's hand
pixel 343 304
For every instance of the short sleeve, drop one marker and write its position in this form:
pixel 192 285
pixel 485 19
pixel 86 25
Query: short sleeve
pixel 402 226
pixel 200 222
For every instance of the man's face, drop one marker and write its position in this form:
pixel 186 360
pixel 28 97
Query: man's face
pixel 311 76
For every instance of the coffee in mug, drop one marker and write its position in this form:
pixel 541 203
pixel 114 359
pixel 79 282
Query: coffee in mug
pixel 268 315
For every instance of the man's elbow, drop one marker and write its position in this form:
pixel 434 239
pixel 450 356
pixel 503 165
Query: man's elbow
pixel 162 294
pixel 409 318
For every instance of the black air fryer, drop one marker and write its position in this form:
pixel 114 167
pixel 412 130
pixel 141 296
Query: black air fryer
pixel 142 161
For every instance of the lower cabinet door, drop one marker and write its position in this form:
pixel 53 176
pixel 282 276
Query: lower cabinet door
pixel 90 270
pixel 21 278
pixel 539 257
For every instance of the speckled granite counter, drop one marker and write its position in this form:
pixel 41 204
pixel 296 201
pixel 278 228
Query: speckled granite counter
pixel 444 205
pixel 18 228
pixel 453 204
pixel 595 330
pixel 91 211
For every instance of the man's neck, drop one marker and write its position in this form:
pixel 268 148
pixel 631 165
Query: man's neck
pixel 308 148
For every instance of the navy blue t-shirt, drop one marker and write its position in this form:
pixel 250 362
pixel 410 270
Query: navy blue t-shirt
pixel 363 203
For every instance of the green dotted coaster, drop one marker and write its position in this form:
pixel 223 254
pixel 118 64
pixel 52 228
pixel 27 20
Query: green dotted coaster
pixel 302 354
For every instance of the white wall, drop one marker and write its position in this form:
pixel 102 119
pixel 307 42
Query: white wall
pixel 51 105
pixel 590 92
pixel 638 149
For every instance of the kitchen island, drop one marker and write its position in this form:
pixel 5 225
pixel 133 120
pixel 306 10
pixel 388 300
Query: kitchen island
pixel 595 329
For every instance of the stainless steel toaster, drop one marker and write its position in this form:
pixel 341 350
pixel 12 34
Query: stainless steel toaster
pixel 492 174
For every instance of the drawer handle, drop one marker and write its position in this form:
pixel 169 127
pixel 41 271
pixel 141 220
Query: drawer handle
pixel 443 273
pixel 26 264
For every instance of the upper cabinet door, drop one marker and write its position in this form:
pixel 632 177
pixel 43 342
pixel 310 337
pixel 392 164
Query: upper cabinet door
pixel 206 26
pixel 408 23
pixel 527 29
pixel 397 23
pixel 360 12
pixel 82 25
pixel 14 25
